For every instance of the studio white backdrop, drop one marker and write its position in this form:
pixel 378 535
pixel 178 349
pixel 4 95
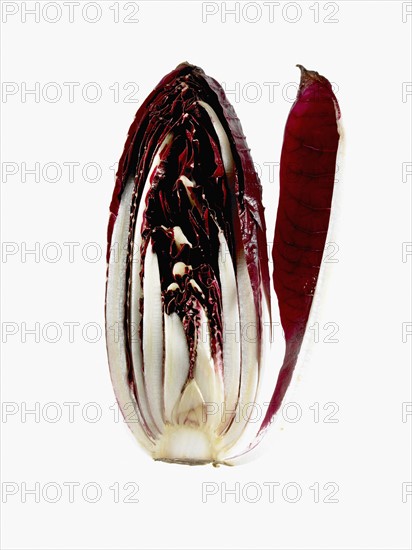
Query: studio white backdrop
pixel 336 474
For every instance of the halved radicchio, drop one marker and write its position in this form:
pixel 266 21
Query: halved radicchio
pixel 186 302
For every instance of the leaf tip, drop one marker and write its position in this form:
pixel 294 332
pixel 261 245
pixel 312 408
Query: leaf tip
pixel 308 77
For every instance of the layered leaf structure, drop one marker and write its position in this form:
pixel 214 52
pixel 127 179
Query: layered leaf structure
pixel 188 280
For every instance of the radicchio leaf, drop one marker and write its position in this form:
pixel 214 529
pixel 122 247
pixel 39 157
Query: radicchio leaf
pixel 307 176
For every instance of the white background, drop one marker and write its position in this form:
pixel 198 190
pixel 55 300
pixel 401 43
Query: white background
pixel 367 373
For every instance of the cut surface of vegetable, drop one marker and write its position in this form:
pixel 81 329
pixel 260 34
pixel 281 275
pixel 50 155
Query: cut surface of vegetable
pixel 195 281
